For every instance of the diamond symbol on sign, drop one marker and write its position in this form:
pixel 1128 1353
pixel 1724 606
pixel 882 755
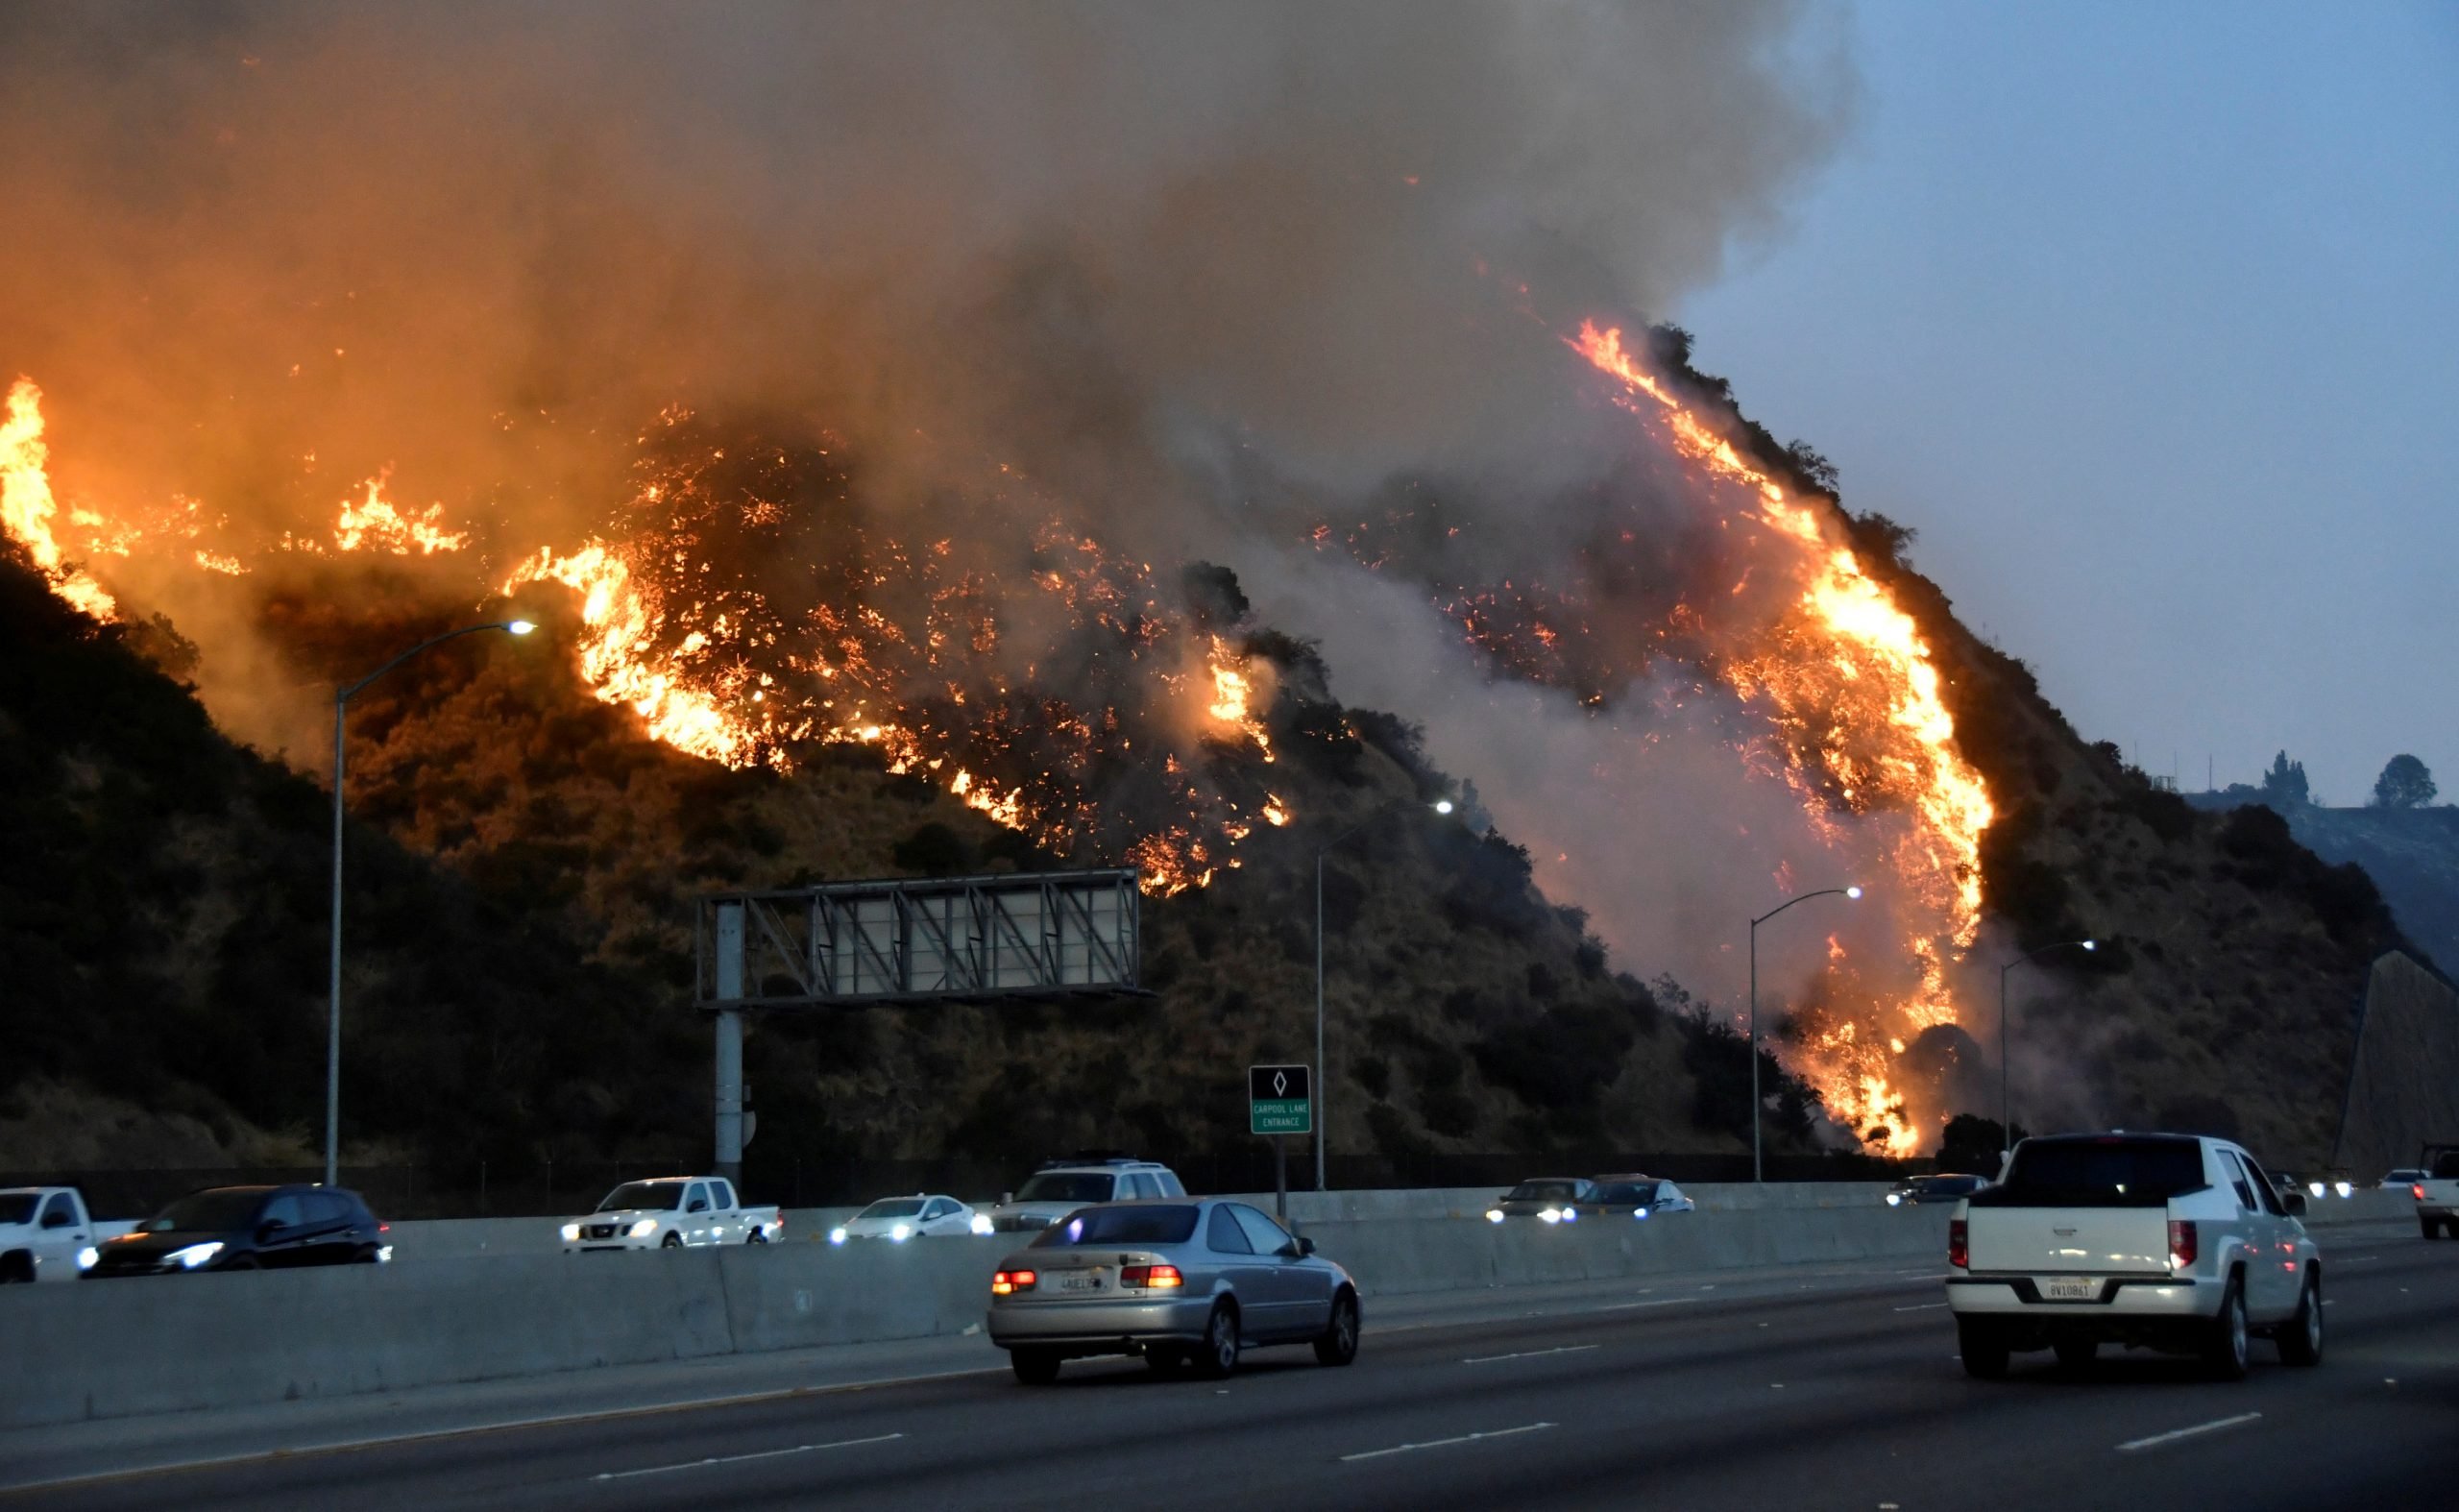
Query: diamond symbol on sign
pixel 1281 1083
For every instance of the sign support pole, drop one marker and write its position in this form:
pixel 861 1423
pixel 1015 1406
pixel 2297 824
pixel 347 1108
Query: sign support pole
pixel 1280 1179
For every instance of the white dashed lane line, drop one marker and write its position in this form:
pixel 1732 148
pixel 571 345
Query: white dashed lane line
pixel 1446 1443
pixel 1527 1355
pixel 736 1459
pixel 2196 1431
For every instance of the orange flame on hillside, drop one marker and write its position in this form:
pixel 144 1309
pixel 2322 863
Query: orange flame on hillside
pixel 372 523
pixel 27 507
pixel 1852 688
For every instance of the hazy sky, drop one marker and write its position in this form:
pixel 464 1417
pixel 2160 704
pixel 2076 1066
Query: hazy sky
pixel 2147 317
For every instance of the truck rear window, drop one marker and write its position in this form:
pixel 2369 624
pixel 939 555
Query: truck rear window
pixel 2098 1173
pixel 2446 1167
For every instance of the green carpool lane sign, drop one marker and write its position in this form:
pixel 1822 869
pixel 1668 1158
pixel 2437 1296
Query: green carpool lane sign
pixel 1277 1100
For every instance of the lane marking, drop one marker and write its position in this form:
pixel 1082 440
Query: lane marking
pixel 1446 1443
pixel 2212 1427
pixel 1661 1302
pixel 738 1459
pixel 1528 1355
pixel 1922 1307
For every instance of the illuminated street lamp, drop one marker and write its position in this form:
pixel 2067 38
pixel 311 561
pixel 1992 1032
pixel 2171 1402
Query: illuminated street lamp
pixel 2006 1125
pixel 334 1022
pixel 1316 1082
pixel 1757 1113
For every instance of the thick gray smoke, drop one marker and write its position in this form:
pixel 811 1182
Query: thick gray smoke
pixel 1145 253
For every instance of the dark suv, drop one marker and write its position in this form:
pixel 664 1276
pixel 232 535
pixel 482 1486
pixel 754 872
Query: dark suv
pixel 247 1228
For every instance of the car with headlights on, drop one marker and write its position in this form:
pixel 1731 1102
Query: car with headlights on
pixel 1189 1282
pixel 1953 1187
pixel 920 1216
pixel 1633 1195
pixel 1547 1199
pixel 247 1228
pixel 671 1213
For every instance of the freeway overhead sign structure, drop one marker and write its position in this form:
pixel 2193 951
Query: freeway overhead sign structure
pixel 1280 1100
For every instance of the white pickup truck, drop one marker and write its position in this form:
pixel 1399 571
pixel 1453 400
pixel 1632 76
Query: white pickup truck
pixel 671 1213
pixel 2170 1242
pixel 47 1235
pixel 2437 1193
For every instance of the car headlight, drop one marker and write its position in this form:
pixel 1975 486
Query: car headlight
pixel 645 1228
pixel 1571 1215
pixel 383 1255
pixel 1493 1215
pixel 1550 1216
pixel 194 1256
pixel 2343 1187
pixel 2316 1187
pixel 1895 1199
pixel 901 1233
pixel 572 1234
pixel 837 1237
pixel 87 1257
pixel 981 1223
pixel 1638 1213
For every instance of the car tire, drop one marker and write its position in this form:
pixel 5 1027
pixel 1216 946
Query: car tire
pixel 16 1269
pixel 365 1256
pixel 1217 1356
pixel 1983 1344
pixel 2301 1337
pixel 1338 1344
pixel 1035 1367
pixel 756 1235
pixel 2228 1341
pixel 2077 1354
pixel 671 1241
pixel 243 1262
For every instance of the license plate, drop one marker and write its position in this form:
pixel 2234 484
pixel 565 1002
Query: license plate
pixel 2070 1288
pixel 1076 1280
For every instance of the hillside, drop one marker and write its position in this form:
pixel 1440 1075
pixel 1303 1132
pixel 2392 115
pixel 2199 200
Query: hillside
pixel 2411 854
pixel 522 863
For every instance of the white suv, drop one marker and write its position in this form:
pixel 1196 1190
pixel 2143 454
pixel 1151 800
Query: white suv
pixel 1061 1186
pixel 2170 1242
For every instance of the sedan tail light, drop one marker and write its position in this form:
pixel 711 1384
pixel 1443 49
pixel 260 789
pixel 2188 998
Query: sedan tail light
pixel 1151 1275
pixel 2415 1189
pixel 1005 1282
pixel 1960 1244
pixel 2185 1244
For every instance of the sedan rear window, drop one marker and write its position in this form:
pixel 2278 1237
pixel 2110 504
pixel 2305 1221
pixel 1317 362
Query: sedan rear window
pixel 2106 1172
pixel 1120 1226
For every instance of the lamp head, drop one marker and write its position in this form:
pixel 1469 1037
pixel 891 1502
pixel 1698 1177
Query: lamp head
pixel 520 628
pixel 2091 944
pixel 1443 805
pixel 1853 892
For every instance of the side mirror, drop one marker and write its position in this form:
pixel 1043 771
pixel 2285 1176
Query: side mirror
pixel 268 1229
pixel 2295 1202
pixel 698 1206
pixel 1306 1245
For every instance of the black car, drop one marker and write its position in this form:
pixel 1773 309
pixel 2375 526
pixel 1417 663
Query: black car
pixel 1934 1189
pixel 248 1229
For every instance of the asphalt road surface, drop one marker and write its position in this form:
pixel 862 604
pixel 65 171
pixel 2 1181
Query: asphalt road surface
pixel 1844 1396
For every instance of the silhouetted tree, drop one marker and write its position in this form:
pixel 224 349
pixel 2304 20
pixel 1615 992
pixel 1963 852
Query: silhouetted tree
pixel 2404 784
pixel 2284 785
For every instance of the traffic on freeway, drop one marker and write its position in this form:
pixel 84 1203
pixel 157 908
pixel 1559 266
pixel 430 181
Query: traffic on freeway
pixel 1827 1386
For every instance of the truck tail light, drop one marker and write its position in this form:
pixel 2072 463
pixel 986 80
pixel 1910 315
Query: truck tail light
pixel 2415 1189
pixel 1960 1244
pixel 2185 1244
pixel 1007 1283
pixel 1151 1275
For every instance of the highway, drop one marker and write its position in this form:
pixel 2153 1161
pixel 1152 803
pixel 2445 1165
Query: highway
pixel 1840 1390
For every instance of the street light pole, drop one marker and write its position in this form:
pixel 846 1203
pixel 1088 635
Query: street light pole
pixel 1758 1172
pixel 333 983
pixel 1315 1083
pixel 2005 1119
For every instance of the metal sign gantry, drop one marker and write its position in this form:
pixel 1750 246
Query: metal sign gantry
pixel 1051 933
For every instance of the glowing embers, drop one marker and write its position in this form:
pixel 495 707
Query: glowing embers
pixel 27 509
pixel 1854 700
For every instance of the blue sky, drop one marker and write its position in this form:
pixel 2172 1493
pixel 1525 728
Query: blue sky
pixel 2147 318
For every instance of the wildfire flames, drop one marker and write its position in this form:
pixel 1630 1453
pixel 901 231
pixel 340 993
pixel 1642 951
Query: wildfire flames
pixel 747 614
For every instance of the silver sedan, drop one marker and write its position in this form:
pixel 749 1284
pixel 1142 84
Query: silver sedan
pixel 1184 1283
